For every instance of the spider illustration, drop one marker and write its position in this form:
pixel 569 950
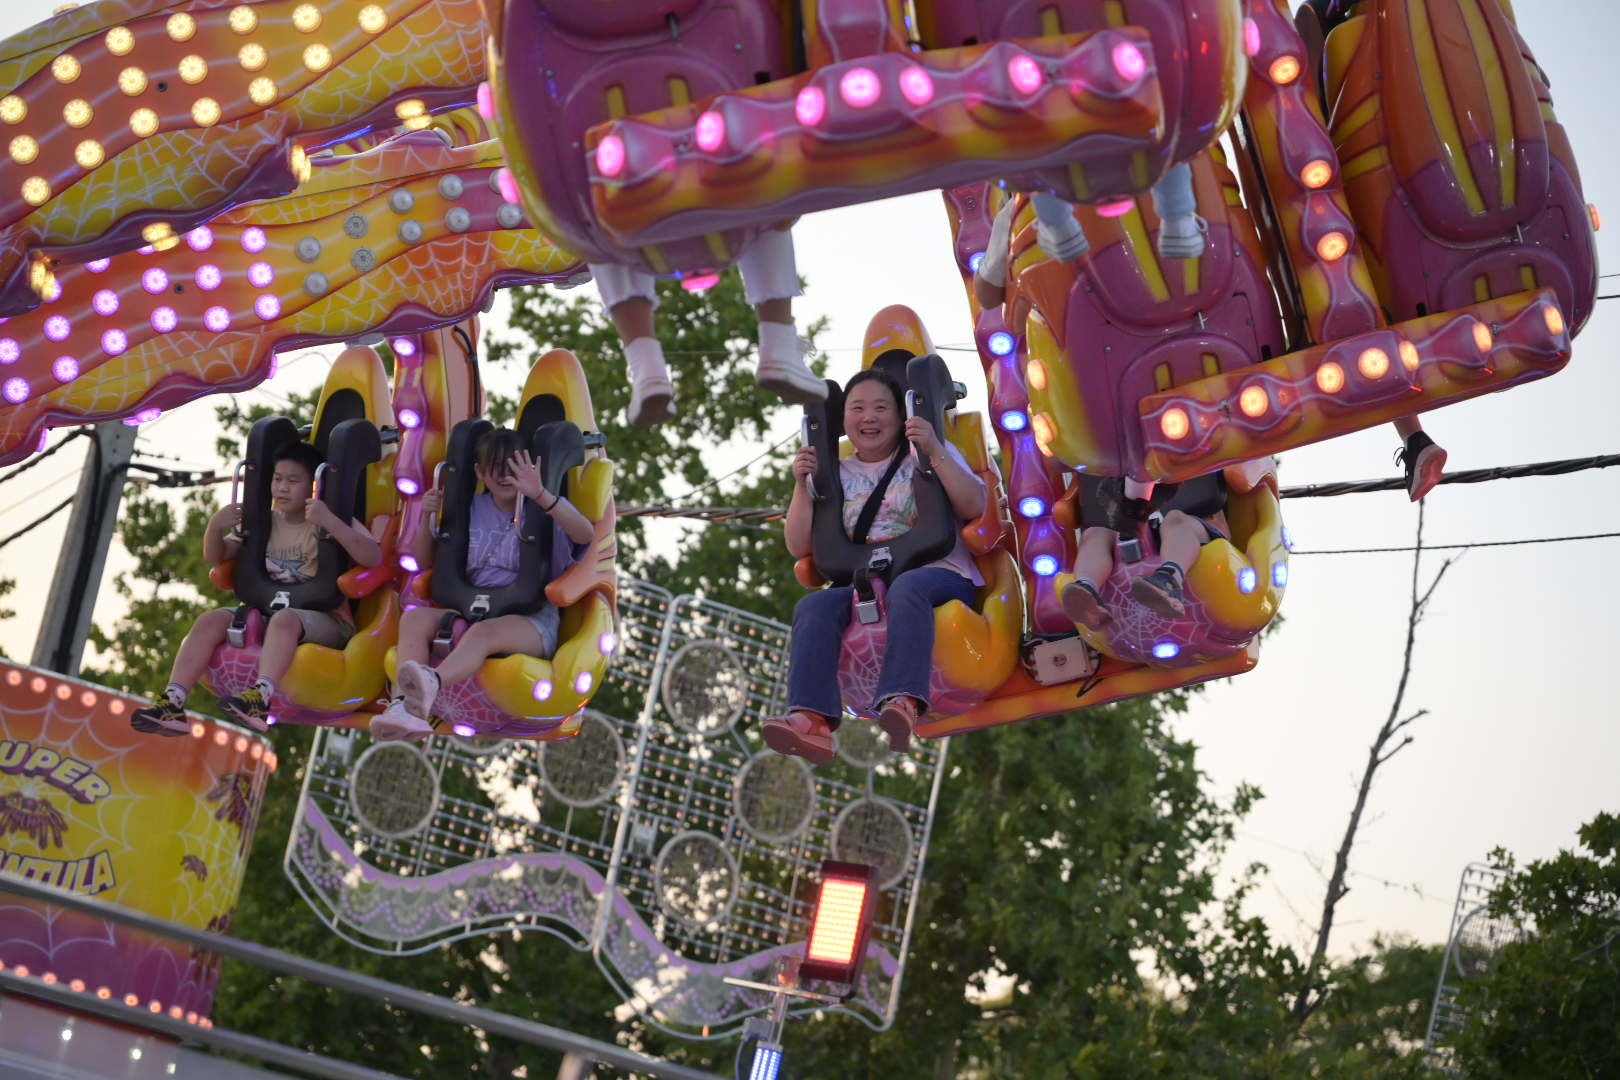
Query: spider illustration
pixel 196 866
pixel 34 818
pixel 233 791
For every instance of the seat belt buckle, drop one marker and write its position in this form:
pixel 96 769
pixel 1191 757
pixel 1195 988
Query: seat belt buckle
pixel 1130 549
pixel 867 611
pixel 282 599
pixel 236 633
pixel 879 562
pixel 479 606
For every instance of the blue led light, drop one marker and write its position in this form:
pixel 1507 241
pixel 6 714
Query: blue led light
pixel 1001 343
pixel 1032 506
pixel 1014 420
pixel 1288 538
pixel 974 260
pixel 1166 650
pixel 1279 574
pixel 1247 580
pixel 1044 565
pixel 767 1062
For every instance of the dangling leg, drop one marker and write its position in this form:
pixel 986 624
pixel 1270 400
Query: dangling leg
pixel 908 661
pixel 1081 598
pixel 1057 230
pixel 630 299
pixel 167 713
pixel 1424 459
pixel 1181 230
pixel 771 281
pixel 416 630
pixel 814 707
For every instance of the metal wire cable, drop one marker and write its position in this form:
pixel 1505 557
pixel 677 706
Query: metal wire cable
pixel 1468 476
pixel 42 519
pixel 1462 547
pixel 35 460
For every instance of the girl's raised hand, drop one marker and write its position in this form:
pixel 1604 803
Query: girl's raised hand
pixel 525 473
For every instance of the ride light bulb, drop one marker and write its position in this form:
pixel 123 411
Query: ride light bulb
pixel 916 86
pixel 1483 338
pixel 407 486
pixel 1254 401
pixel 1175 423
pixel 610 155
pixel 1166 650
pixel 1000 343
pixel 1554 319
pixel 1279 574
pixel 1025 74
pixel 710 132
pixel 1014 420
pixel 1247 579
pixel 1333 246
pixel 1284 70
pixel 1032 506
pixel 1330 377
pixel 1316 174
pixel 1373 363
pixel 410 419
pixel 810 106
pixel 1409 355
pixel 1044 565
pixel 1251 37
pixel 1129 61
pixel 859 87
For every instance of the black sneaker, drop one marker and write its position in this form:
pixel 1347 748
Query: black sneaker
pixel 162 717
pixel 1160 593
pixel 248 708
pixel 1425 462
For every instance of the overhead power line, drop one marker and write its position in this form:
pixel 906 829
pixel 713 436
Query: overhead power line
pixel 31 462
pixel 42 519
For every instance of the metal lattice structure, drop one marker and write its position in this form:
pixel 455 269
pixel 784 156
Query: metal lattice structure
pixel 665 837
pixel 1478 936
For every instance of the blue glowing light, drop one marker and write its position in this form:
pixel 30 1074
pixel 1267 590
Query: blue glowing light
pixel 974 260
pixel 1001 343
pixel 1288 538
pixel 1032 506
pixel 1014 420
pixel 767 1062
pixel 1247 580
pixel 1044 565
pixel 1279 574
pixel 1166 650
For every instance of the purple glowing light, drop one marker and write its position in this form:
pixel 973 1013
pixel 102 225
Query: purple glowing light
pixel 859 87
pixel 410 419
pixel 164 319
pixel 98 265
pixel 64 369
pixel 114 341
pixel 486 101
pixel 916 86
pixel 607 643
pixel 710 132
pixel 154 280
pixel 53 291
pixel 15 390
pixel 409 564
pixel 57 328
pixel 610 155
pixel 200 239
pixel 273 367
pixel 810 107
pixel 1032 506
pixel 1001 343
pixel 404 347
pixel 217 319
pixel 542 689
pixel 10 351
pixel 145 416
pixel 105 302
pixel 267 307
pixel 208 277
pixel 407 486
pixel 1251 37
pixel 1129 61
pixel 254 240
pixel 1115 207
pixel 1166 650
pixel 582 683
pixel 466 731
pixel 261 274
pixel 1025 74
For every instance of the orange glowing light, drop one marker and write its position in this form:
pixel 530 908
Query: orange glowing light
pixel 49 978
pixel 198 731
pixel 220 738
pixel 1035 373
pixel 1409 355
pixel 1597 218
pixel 1373 363
pixel 13 678
pixel 37 685
pixel 1333 246
pixel 21 970
pixel 77 986
pixel 1044 429
pixel 1316 174
pixel 838 922
pixel 1284 70
pixel 177 1012
pixel 1483 338
pixel 103 993
pixel 1555 320
pixel 63 691
pixel 131 1000
pixel 1175 423
pixel 1330 377
pixel 1254 401
pixel 155 1006
pixel 87 698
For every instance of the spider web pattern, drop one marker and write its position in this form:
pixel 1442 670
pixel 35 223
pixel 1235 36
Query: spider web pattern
pixel 503 851
pixel 1135 629
pixel 174 829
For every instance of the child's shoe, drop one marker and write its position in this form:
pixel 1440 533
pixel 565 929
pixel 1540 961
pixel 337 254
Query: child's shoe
pixel 162 717
pixel 1084 606
pixel 782 369
pixel 396 723
pixel 1160 592
pixel 419 685
pixel 898 718
pixel 800 733
pixel 1182 237
pixel 1057 230
pixel 652 395
pixel 1425 462
pixel 249 708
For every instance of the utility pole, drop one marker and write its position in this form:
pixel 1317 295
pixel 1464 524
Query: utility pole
pixel 62 633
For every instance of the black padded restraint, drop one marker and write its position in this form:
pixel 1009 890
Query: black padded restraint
pixel 874 501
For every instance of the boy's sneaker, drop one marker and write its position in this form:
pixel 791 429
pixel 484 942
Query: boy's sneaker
pixel 162 717
pixel 395 723
pixel 418 685
pixel 1160 593
pixel 248 708
pixel 1425 462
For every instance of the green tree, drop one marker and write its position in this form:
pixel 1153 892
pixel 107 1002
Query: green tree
pixel 1549 1004
pixel 7 586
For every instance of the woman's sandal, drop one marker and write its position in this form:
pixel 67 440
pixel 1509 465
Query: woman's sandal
pixel 898 718
pixel 800 733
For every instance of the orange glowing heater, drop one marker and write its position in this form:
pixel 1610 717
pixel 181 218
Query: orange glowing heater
pixel 841 923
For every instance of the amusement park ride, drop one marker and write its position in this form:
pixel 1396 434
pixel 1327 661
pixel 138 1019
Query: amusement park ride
pixel 1394 223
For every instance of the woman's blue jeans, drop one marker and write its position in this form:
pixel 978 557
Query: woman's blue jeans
pixel 819 622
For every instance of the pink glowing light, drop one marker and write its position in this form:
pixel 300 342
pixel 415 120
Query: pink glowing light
pixel 57 328
pixel 699 282
pixel 610 155
pixel 15 390
pixel 98 265
pixel 916 86
pixel 146 416
pixel 65 369
pixel 254 240
pixel 710 132
pixel 164 319
pixel 410 419
pixel 1129 61
pixel 1115 207
pixel 409 564
pixel 607 643
pixel 200 239
pixel 810 107
pixel 508 185
pixel 114 342
pixel 542 689
pixel 217 319
pixel 859 87
pixel 261 274
pixel 404 347
pixel 466 731
pixel 10 351
pixel 486 101
pixel 208 277
pixel 267 307
pixel 1025 74
pixel 407 486
pixel 105 302
pixel 1251 37
pixel 154 280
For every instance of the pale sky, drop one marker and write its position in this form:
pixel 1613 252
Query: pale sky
pixel 1522 741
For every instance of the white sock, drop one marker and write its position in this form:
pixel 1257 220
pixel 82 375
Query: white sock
pixel 993 267
pixel 176 695
pixel 266 688
pixel 646 359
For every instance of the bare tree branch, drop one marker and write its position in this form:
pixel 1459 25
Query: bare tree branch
pixel 1310 995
